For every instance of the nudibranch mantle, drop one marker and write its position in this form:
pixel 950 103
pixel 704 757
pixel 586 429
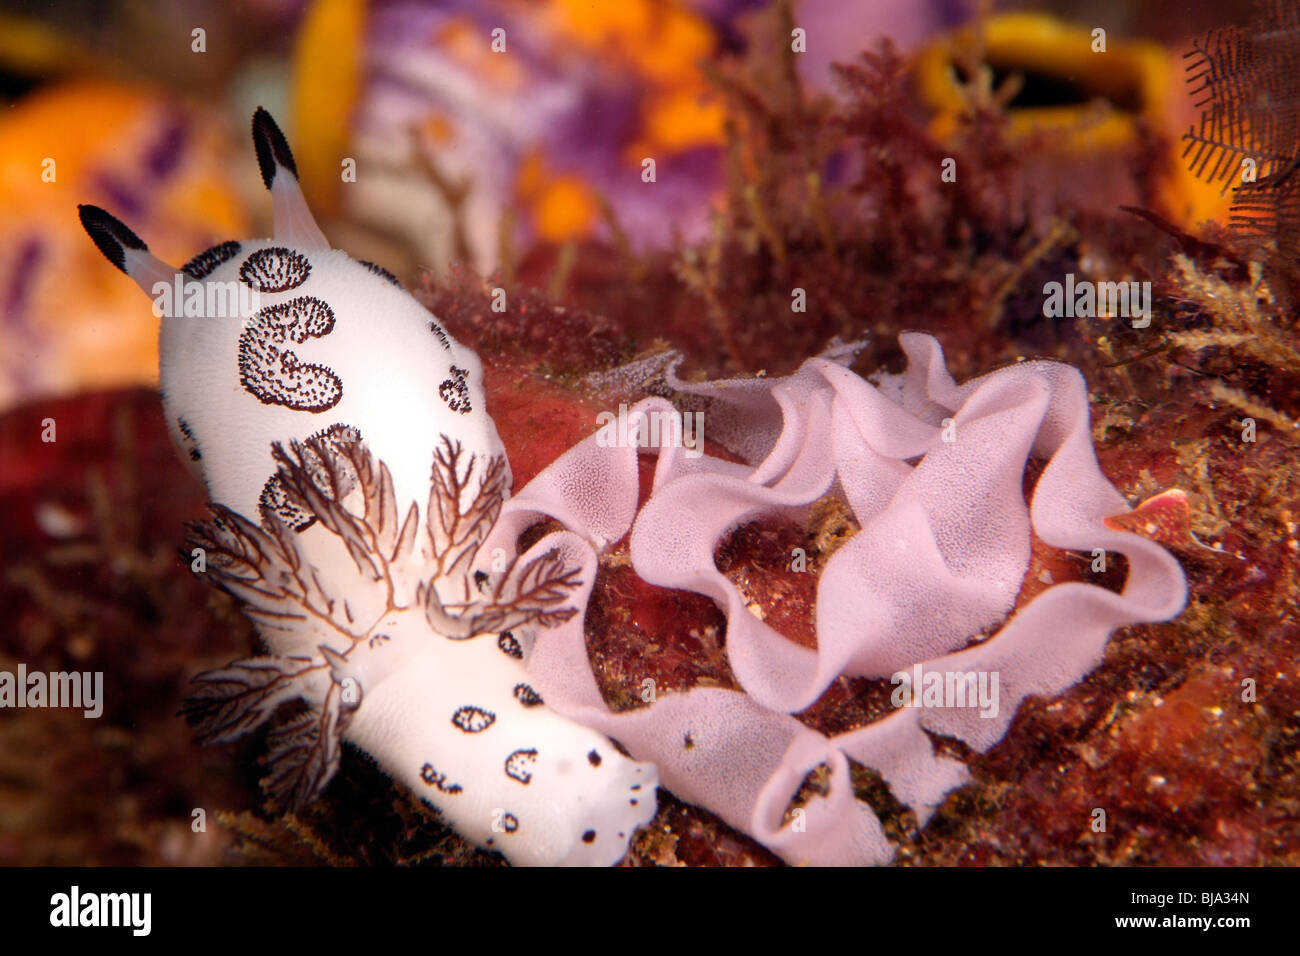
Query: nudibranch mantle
pixel 329 342
pixel 344 436
pixel 343 348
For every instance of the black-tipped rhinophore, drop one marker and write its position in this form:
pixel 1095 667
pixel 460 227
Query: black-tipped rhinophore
pixel 110 234
pixel 271 146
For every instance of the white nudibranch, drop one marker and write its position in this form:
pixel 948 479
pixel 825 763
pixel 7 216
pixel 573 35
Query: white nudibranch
pixel 324 407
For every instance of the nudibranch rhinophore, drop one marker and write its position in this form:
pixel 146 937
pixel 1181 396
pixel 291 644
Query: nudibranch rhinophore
pixel 322 405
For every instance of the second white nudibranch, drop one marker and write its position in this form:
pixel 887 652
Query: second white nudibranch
pixel 325 409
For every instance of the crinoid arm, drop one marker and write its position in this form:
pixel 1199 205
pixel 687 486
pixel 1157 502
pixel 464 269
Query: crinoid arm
pixel 1244 81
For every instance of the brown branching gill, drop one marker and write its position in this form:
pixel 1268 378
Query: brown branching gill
pixel 270 570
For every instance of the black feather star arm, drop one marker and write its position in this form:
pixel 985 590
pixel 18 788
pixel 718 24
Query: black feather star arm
pixel 1246 82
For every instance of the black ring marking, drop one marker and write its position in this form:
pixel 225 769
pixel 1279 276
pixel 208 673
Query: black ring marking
pixel 440 335
pixel 190 442
pixel 275 269
pixel 437 779
pixel 202 265
pixel 333 437
pixel 455 392
pixel 527 696
pixel 274 501
pixel 381 272
pixel 473 720
pixel 272 373
pixel 518 764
